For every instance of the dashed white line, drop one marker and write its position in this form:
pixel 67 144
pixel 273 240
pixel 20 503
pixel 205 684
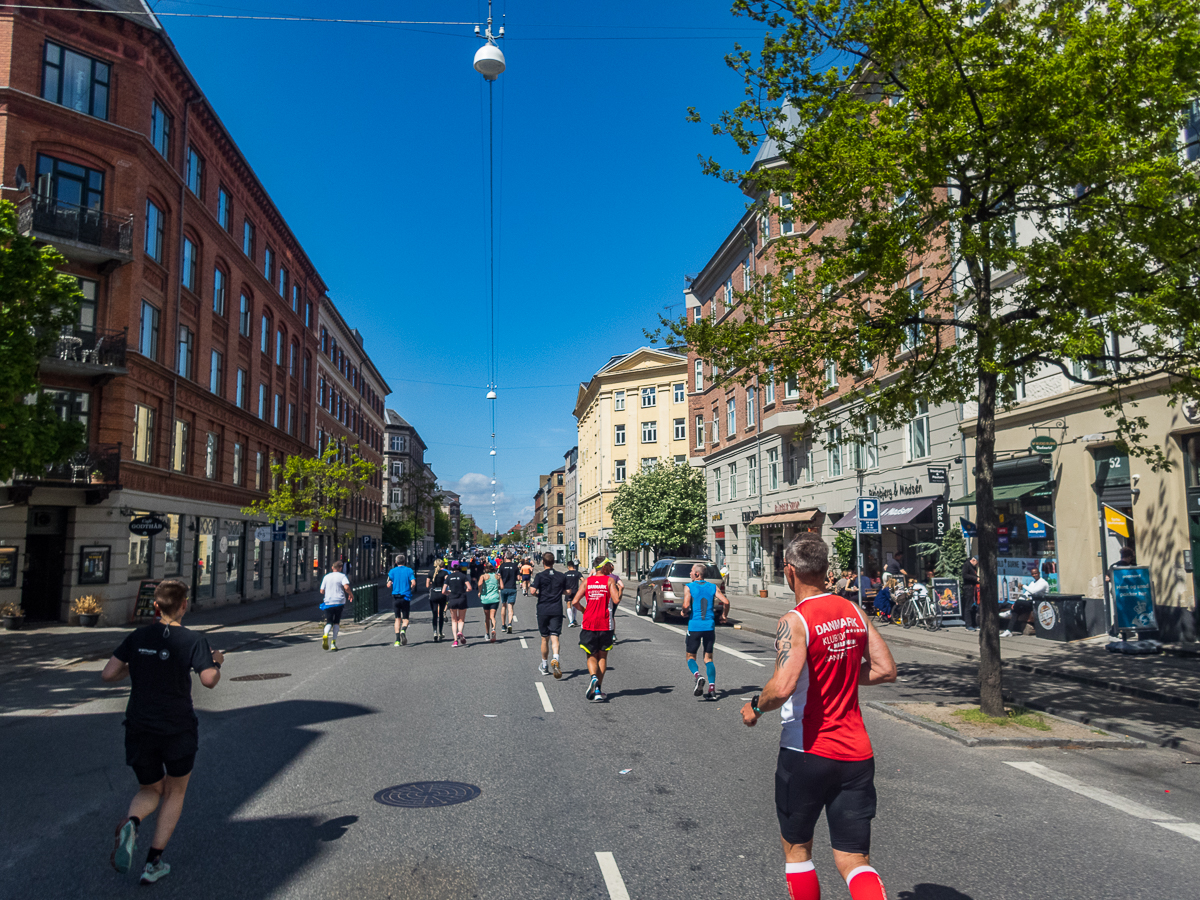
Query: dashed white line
pixel 524 646
pixel 541 689
pixel 612 876
pixel 738 653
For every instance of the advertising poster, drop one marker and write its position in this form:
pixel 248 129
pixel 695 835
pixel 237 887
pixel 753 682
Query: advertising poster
pixel 1014 572
pixel 1133 598
pixel 947 594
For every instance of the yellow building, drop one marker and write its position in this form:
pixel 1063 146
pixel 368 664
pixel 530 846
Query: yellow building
pixel 631 414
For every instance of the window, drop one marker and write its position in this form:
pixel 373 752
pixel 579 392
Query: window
pixel 283 283
pixel 649 432
pixel 773 469
pixel 833 451
pixel 681 429
pixel 216 373
pixel 218 292
pixel 699 432
pixel 308 314
pixel 155 227
pixel 699 375
pixel 912 332
pixel 248 238
pixel 69 185
pixel 292 359
pixel 223 208
pixel 649 463
pixel 195 172
pixel 560 521
pixel 716 428
pixel 730 417
pixel 752 476
pixel 717 482
pixel 190 260
pixel 619 436
pixel 262 402
pixel 291 418
pixel 680 459
pixel 770 388
pixel 918 431
pixel 244 316
pixel 747 275
pixel 791 389
pixel 277 411
pixel 265 337
pixel 619 470
pixel 179 446
pixel 560 482
pixel 809 465
pixel 258 470
pixel 679 393
pixel 148 338
pixel 649 397
pixel 750 399
pixel 75 81
pixel 279 342
pixel 396 443
pixel 143 433
pixel 831 376
pixel 1191 131
pixel 764 229
pixel 160 129
pixel 296 298
pixel 210 456
pixel 785 203
pixel 793 463
pixel 866 454
pixel 239 453
pixel 618 400
pixel 733 481
pixel 87 306
pixel 242 381
pixel 268 264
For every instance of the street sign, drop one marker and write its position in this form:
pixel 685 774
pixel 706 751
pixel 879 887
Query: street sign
pixel 279 531
pixel 583 534
pixel 937 474
pixel 262 533
pixel 868 515
pixel 146 526
pixel 1043 444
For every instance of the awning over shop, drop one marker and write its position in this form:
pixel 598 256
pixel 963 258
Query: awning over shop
pixel 897 512
pixel 1006 492
pixel 795 517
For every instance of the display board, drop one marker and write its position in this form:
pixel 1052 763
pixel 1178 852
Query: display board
pixel 144 608
pixel 1133 598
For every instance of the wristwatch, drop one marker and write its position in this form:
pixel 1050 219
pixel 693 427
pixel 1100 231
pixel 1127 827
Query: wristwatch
pixel 754 704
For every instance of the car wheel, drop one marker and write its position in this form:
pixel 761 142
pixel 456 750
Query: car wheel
pixel 638 609
pixel 655 613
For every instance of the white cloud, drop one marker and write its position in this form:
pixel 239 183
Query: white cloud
pixel 476 490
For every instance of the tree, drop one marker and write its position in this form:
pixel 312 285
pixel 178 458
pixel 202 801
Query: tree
pixel 442 530
pixel 953 555
pixel 36 304
pixel 316 488
pixel 843 549
pixel 398 532
pixel 1025 162
pixel 661 507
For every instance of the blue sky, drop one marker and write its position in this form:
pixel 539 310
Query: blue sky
pixel 372 142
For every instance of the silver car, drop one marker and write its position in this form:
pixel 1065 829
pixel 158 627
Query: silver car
pixel 662 589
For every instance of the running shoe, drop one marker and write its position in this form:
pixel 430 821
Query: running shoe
pixel 455 644
pixel 593 688
pixel 324 642
pixel 698 688
pixel 544 668
pixel 403 637
pixel 333 647
pixel 126 839
pixel 493 635
pixel 508 627
pixel 154 871
pixel 599 697
pixel 396 643
pixel 462 638
pixel 556 668
pixel 1006 633
pixel 712 692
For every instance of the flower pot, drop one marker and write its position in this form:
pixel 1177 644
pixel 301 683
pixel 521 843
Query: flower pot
pixel 89 621
pixel 13 623
pixel 762 594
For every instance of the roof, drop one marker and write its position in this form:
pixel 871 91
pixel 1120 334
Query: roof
pixel 391 417
pixel 768 150
pixel 135 10
pixel 615 361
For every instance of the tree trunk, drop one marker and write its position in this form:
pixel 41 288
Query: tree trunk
pixel 991 700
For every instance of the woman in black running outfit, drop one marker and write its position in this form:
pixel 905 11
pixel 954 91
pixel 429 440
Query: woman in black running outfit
pixel 437 600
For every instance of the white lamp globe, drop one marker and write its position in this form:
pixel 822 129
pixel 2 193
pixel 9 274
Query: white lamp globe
pixel 493 453
pixel 489 61
pixel 491 395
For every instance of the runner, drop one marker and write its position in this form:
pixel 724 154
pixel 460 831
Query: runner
pixel 489 598
pixel 700 600
pixel 526 575
pixel 548 587
pixel 825 648
pixel 572 577
pixel 401 580
pixel 474 568
pixel 456 587
pixel 335 589
pixel 437 599
pixel 508 573
pixel 601 596
pixel 161 729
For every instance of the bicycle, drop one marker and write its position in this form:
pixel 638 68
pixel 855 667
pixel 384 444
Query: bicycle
pixel 915 608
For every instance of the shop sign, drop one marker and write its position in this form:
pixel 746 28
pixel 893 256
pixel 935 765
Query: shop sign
pixel 147 526
pixel 790 506
pixel 716 517
pixel 967 526
pixel 896 491
pixel 1046 615
pixel 1133 597
pixel 1002 543
pixel 582 534
pixel 718 534
pixel 1043 444
pixel 937 474
pixel 1035 527
pixel 747 517
pixel 941 518
pixel 1112 467
pixel 947 594
pixel 1116 522
pixel 262 533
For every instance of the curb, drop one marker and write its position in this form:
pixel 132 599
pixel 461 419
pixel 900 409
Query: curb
pixel 1124 743
pixel 1144 736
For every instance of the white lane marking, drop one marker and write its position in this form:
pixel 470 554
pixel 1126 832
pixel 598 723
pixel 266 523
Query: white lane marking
pixel 612 876
pixel 1137 810
pixel 738 653
pixel 541 689
pixel 524 646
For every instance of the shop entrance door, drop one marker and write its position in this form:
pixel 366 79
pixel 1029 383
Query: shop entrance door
pixel 1194 529
pixel 45 563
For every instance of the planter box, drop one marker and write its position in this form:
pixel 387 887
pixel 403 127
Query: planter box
pixel 13 623
pixel 89 621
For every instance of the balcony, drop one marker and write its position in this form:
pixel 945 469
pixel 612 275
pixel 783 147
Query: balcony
pixel 99 355
pixel 78 232
pixel 97 469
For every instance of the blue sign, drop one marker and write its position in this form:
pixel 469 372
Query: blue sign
pixel 868 515
pixel 968 527
pixel 1037 528
pixel 1133 599
pixel 279 531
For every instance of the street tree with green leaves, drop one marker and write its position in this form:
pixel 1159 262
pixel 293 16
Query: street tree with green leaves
pixel 37 303
pixel 990 192
pixel 662 508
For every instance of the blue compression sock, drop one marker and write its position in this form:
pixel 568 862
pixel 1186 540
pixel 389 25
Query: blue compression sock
pixel 711 669
pixel 694 667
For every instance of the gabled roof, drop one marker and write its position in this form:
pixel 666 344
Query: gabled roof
pixel 768 150
pixel 391 417
pixel 135 10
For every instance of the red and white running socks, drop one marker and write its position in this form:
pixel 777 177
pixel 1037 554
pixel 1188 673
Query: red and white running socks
pixel 865 884
pixel 802 881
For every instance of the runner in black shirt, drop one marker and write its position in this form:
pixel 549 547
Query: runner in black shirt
pixel 509 572
pixel 548 587
pixel 572 577
pixel 161 730
pixel 437 600
pixel 456 587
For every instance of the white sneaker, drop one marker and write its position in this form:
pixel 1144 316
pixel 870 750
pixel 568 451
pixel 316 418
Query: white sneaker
pixel 1006 633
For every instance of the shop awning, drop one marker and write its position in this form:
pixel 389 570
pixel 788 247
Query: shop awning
pixel 1006 492
pixel 795 517
pixel 897 512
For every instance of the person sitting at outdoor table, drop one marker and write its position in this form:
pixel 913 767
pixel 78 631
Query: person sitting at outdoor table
pixel 847 585
pixel 883 599
pixel 1023 606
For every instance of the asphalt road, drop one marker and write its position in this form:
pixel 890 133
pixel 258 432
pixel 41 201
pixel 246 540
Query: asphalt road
pixel 281 801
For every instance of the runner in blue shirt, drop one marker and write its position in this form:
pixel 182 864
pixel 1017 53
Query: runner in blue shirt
pixel 699 606
pixel 401 579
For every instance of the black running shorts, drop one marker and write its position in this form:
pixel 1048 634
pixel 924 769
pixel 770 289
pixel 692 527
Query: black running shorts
pixel 549 623
pixel 456 602
pixel 402 605
pixel 594 642
pixel 150 754
pixel 333 615
pixel 696 638
pixel 805 784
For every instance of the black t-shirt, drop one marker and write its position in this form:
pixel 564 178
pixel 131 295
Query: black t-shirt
pixel 892 567
pixel 508 572
pixel 476 569
pixel 161 660
pixel 571 579
pixel 549 585
pixel 456 584
pixel 439 579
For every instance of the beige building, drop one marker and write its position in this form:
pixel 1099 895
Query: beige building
pixel 632 414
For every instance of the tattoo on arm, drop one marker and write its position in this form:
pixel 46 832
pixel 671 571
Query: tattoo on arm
pixel 783 644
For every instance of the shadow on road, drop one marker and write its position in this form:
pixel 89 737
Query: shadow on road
pixel 933 892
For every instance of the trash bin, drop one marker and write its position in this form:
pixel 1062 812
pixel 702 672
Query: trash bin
pixel 1068 617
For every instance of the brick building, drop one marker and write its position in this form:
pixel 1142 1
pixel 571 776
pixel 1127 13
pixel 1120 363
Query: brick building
pixel 194 361
pixel 404 455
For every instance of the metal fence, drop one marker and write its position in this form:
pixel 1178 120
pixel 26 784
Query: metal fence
pixel 366 601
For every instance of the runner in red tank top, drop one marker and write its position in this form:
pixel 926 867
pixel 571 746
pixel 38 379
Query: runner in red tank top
pixel 825 648
pixel 601 593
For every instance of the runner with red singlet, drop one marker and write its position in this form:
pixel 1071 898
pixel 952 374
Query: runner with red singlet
pixel 596 637
pixel 825 648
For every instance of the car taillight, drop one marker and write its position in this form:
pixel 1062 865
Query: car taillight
pixel 667 588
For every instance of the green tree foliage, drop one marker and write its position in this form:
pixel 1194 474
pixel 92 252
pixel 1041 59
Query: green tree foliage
pixel 662 507
pixel 1046 140
pixel 442 528
pixel 36 304
pixel 953 555
pixel 399 533
pixel 843 548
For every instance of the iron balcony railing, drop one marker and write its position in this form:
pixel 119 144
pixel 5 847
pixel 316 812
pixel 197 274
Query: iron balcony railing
pixel 99 464
pixel 56 218
pixel 98 348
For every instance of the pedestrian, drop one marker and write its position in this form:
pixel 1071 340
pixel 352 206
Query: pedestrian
pixel 700 599
pixel 526 576
pixel 489 599
pixel 455 589
pixel 548 586
pixel 335 589
pixel 824 648
pixel 1023 606
pixel 970 581
pixel 402 580
pixel 600 596
pixel 508 573
pixel 161 728
pixel 437 599
pixel 571 577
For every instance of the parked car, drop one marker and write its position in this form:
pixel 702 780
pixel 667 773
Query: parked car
pixel 662 589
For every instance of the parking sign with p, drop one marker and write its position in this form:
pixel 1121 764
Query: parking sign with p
pixel 868 515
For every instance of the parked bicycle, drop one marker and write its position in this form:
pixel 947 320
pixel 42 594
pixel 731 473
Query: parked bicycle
pixel 915 606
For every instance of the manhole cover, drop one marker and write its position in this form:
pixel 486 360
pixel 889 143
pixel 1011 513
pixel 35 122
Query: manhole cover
pixel 427 794
pixel 262 676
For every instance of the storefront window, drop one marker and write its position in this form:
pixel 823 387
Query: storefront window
pixel 754 561
pixel 171 549
pixel 258 563
pixel 1191 454
pixel 289 547
pixel 206 530
pixel 233 558
pixel 141 553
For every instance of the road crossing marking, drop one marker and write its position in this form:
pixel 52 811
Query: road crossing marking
pixel 524 646
pixel 738 653
pixel 1129 807
pixel 612 875
pixel 541 689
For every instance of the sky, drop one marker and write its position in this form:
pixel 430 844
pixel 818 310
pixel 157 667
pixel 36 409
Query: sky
pixel 373 141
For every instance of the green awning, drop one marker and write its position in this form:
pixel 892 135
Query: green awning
pixel 1011 492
